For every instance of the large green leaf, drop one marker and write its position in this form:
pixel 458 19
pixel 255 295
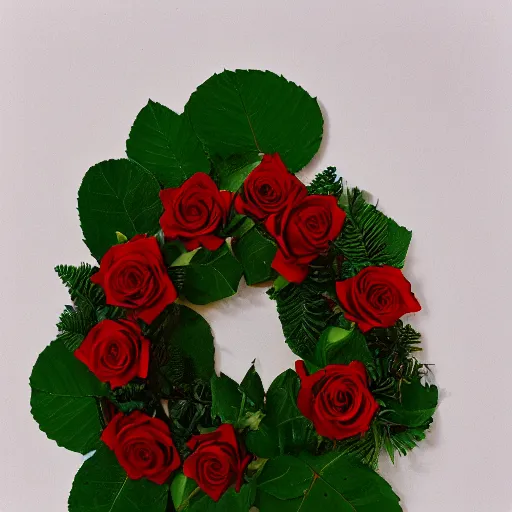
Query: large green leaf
pixel 252 112
pixel 164 143
pixel 284 429
pixel 117 195
pixel 255 252
pixel 369 237
pixel 212 276
pixel 416 406
pixel 64 399
pixel 339 346
pixel 183 348
pixel 328 482
pixel 101 485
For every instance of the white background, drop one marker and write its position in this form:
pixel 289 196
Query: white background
pixel 416 96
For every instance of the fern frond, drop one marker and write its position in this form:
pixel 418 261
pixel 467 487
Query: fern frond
pixel 403 439
pixel 74 325
pixel 368 237
pixel 326 183
pixel 304 311
pixel 83 292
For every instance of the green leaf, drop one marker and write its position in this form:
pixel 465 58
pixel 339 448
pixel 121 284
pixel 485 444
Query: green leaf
pixel 230 501
pixel 369 237
pixel 117 195
pixel 290 430
pixel 336 482
pixel 64 399
pixel 227 399
pixel 339 346
pixel 252 386
pixel 164 143
pixel 101 485
pixel 255 252
pixel 229 174
pixel 183 348
pixel 304 311
pixel 262 442
pixel 285 477
pixel 181 490
pixel 212 276
pixel 74 325
pixel 416 406
pixel 253 112
pixel 83 292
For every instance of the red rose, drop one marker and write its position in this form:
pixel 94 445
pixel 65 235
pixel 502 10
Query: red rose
pixel 269 189
pixel 195 211
pixel 217 461
pixel 143 446
pixel 115 351
pixel 134 276
pixel 303 232
pixel 376 297
pixel 336 399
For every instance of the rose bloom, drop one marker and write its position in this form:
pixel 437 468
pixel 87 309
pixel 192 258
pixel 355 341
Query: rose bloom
pixel 269 189
pixel 115 351
pixel 217 461
pixel 336 399
pixel 376 297
pixel 194 212
pixel 303 232
pixel 143 446
pixel 134 276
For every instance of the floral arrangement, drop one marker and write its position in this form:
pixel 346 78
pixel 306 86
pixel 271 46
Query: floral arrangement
pixel 203 199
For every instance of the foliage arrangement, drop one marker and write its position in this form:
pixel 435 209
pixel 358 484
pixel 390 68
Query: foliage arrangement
pixel 203 199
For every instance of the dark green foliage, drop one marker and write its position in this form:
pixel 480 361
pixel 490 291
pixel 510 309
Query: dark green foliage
pixel 284 429
pixel 230 173
pixel 164 143
pixel 101 484
pixel 212 276
pixel 190 412
pixel 182 349
pixel 134 396
pixel 251 112
pixel 117 196
pixel 330 482
pixel 368 237
pixel 65 399
pixel 255 252
pixel 305 310
pixel 74 325
pixel 327 183
pixel 83 292
pixel 393 349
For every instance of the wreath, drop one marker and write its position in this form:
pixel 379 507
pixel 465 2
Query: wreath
pixel 203 199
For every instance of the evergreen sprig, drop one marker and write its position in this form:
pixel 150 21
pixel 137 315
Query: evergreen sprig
pixel 83 292
pixel 305 310
pixel 327 183
pixel 74 325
